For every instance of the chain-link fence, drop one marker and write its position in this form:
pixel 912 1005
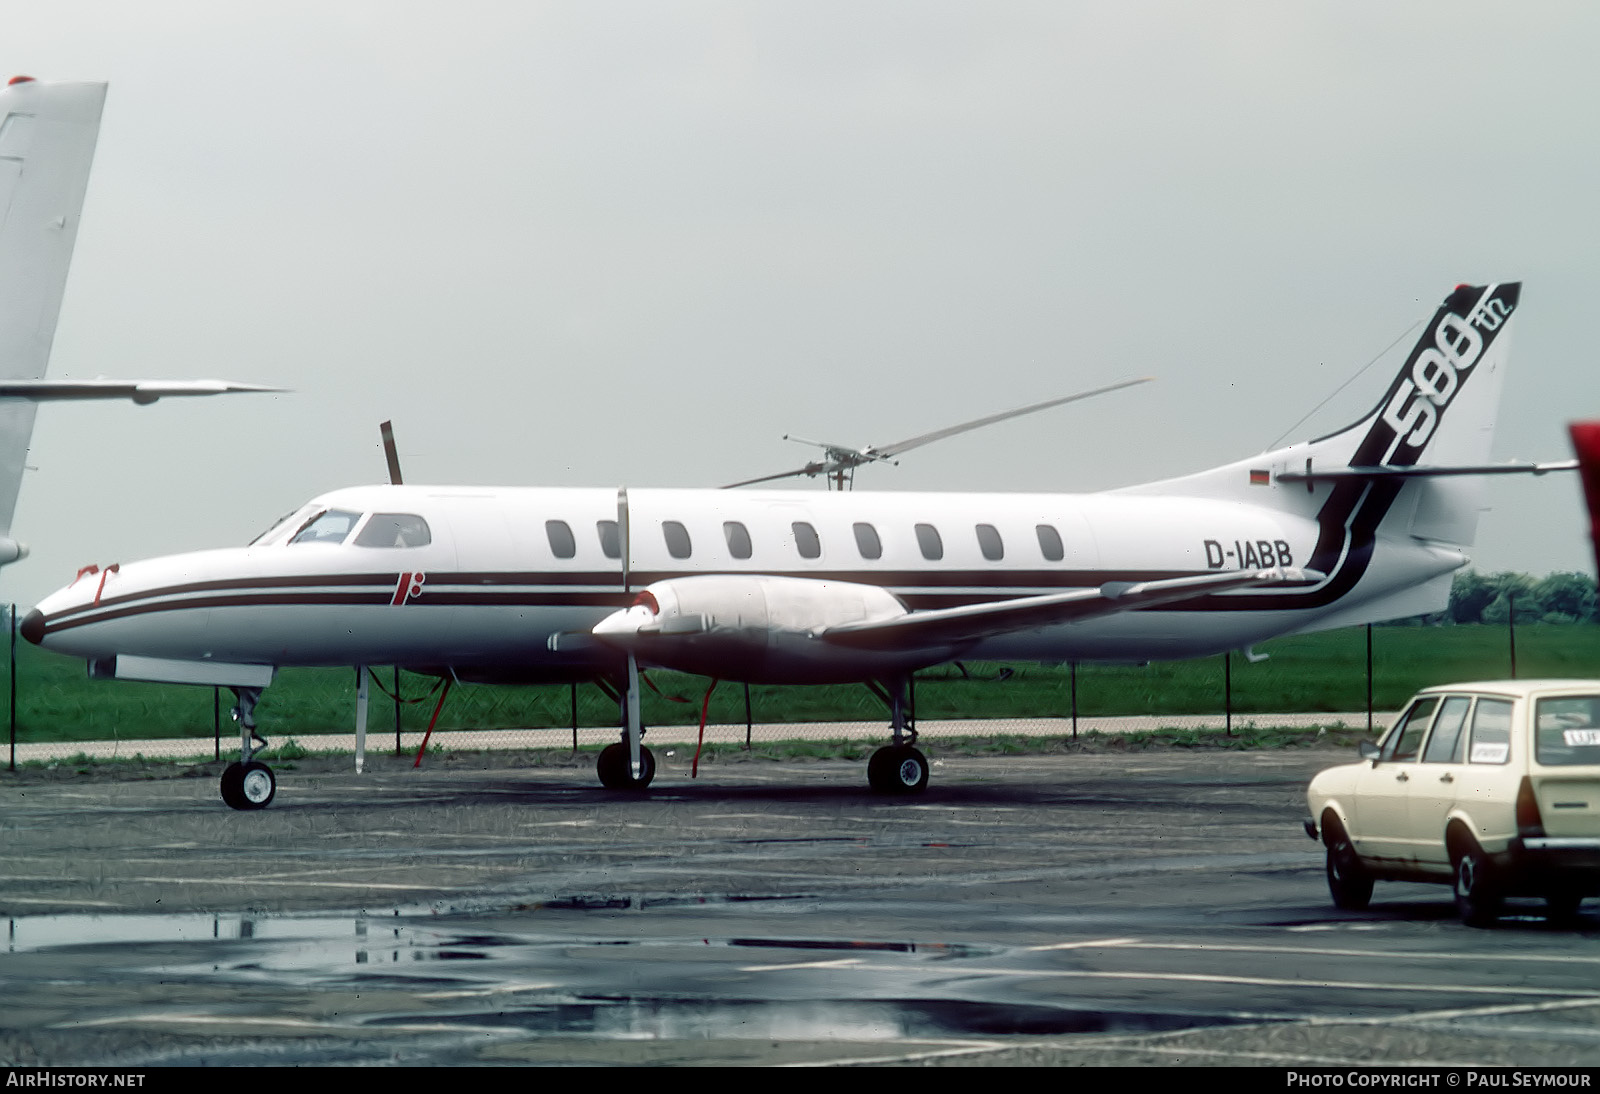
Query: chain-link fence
pixel 1325 679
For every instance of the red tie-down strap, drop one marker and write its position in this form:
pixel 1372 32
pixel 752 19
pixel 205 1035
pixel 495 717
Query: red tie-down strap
pixel 90 570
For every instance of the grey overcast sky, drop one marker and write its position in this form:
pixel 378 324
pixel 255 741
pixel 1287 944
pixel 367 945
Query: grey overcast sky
pixel 597 243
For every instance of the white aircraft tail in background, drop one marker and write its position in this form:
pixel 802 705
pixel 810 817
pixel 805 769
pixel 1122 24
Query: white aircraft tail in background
pixel 48 133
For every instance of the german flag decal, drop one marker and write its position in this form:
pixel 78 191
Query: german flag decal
pixel 1260 478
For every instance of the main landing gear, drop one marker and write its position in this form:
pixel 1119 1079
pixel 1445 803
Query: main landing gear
pixel 628 764
pixel 248 784
pixel 899 768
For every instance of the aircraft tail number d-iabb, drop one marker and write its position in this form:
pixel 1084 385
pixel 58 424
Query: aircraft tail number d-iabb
pixel 532 585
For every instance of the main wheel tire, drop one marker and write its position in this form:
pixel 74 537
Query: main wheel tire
pixel 898 769
pixel 1348 881
pixel 616 771
pixel 1478 897
pixel 248 786
pixel 232 785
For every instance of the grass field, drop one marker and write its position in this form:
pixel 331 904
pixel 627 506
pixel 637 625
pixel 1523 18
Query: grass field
pixel 1323 672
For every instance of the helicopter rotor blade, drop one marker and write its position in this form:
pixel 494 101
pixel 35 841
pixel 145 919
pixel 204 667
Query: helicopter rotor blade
pixel 886 450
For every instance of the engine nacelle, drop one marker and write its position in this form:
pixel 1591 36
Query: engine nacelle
pixel 759 629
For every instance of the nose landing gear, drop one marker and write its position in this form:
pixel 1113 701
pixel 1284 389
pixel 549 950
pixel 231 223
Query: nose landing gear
pixel 248 784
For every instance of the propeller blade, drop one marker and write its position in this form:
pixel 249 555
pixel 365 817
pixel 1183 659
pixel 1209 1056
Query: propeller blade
pixel 389 452
pixel 886 450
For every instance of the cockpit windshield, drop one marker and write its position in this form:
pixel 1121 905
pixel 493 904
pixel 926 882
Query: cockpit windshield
pixel 395 530
pixel 329 526
pixel 278 530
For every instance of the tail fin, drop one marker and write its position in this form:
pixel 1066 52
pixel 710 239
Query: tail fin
pixel 47 140
pixel 1438 412
pixel 1373 482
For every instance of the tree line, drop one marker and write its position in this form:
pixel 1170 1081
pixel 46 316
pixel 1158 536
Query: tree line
pixel 1506 597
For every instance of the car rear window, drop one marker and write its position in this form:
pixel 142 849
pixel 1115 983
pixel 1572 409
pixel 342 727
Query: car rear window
pixel 1566 730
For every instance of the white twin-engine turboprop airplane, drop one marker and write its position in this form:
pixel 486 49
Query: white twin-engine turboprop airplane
pixel 538 585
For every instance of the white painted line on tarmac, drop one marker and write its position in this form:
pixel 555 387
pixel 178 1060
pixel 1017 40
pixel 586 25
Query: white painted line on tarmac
pixel 838 963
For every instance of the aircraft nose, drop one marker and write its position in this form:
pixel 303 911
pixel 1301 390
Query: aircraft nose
pixel 32 627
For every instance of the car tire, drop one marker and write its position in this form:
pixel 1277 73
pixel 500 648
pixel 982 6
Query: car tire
pixel 1478 895
pixel 1349 883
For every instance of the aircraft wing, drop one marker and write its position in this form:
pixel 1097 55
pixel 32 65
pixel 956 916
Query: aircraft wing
pixel 974 621
pixel 143 392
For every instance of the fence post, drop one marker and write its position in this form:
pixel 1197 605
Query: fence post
pixel 1369 677
pixel 1227 692
pixel 1074 679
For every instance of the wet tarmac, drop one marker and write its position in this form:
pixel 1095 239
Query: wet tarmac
pixel 1160 908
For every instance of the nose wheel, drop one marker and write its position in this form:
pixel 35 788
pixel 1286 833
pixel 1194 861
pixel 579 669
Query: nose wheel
pixel 248 786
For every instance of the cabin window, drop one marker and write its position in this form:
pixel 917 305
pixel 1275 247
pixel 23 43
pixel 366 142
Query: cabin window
pixel 928 539
pixel 562 542
pixel 327 527
pixel 677 537
pixel 867 541
pixel 395 530
pixel 806 540
pixel 1050 543
pixel 610 539
pixel 989 542
pixel 738 537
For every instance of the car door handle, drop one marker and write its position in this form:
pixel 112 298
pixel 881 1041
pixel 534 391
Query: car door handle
pixel 1402 777
pixel 1447 778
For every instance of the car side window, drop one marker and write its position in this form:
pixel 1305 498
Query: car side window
pixel 1491 732
pixel 1406 737
pixel 1445 744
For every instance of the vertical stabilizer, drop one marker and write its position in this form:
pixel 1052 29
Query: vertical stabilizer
pixel 47 139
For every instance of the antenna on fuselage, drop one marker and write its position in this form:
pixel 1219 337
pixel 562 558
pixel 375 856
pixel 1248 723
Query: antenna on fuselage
pixel 386 429
pixel 839 462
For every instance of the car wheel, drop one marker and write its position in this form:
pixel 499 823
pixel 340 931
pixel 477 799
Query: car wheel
pixel 1478 897
pixel 1348 880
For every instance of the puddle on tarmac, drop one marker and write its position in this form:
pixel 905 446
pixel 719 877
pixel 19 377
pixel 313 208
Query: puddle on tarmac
pixel 522 979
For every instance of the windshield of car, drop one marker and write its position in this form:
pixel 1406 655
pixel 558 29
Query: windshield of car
pixel 1566 730
pixel 327 527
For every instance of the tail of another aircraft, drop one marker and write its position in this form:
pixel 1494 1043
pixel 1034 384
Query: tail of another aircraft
pixel 1409 473
pixel 47 140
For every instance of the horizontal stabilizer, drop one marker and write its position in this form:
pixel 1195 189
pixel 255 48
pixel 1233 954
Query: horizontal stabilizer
pixel 143 392
pixel 974 621
pixel 1337 474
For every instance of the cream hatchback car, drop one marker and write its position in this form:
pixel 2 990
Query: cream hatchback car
pixel 1491 787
